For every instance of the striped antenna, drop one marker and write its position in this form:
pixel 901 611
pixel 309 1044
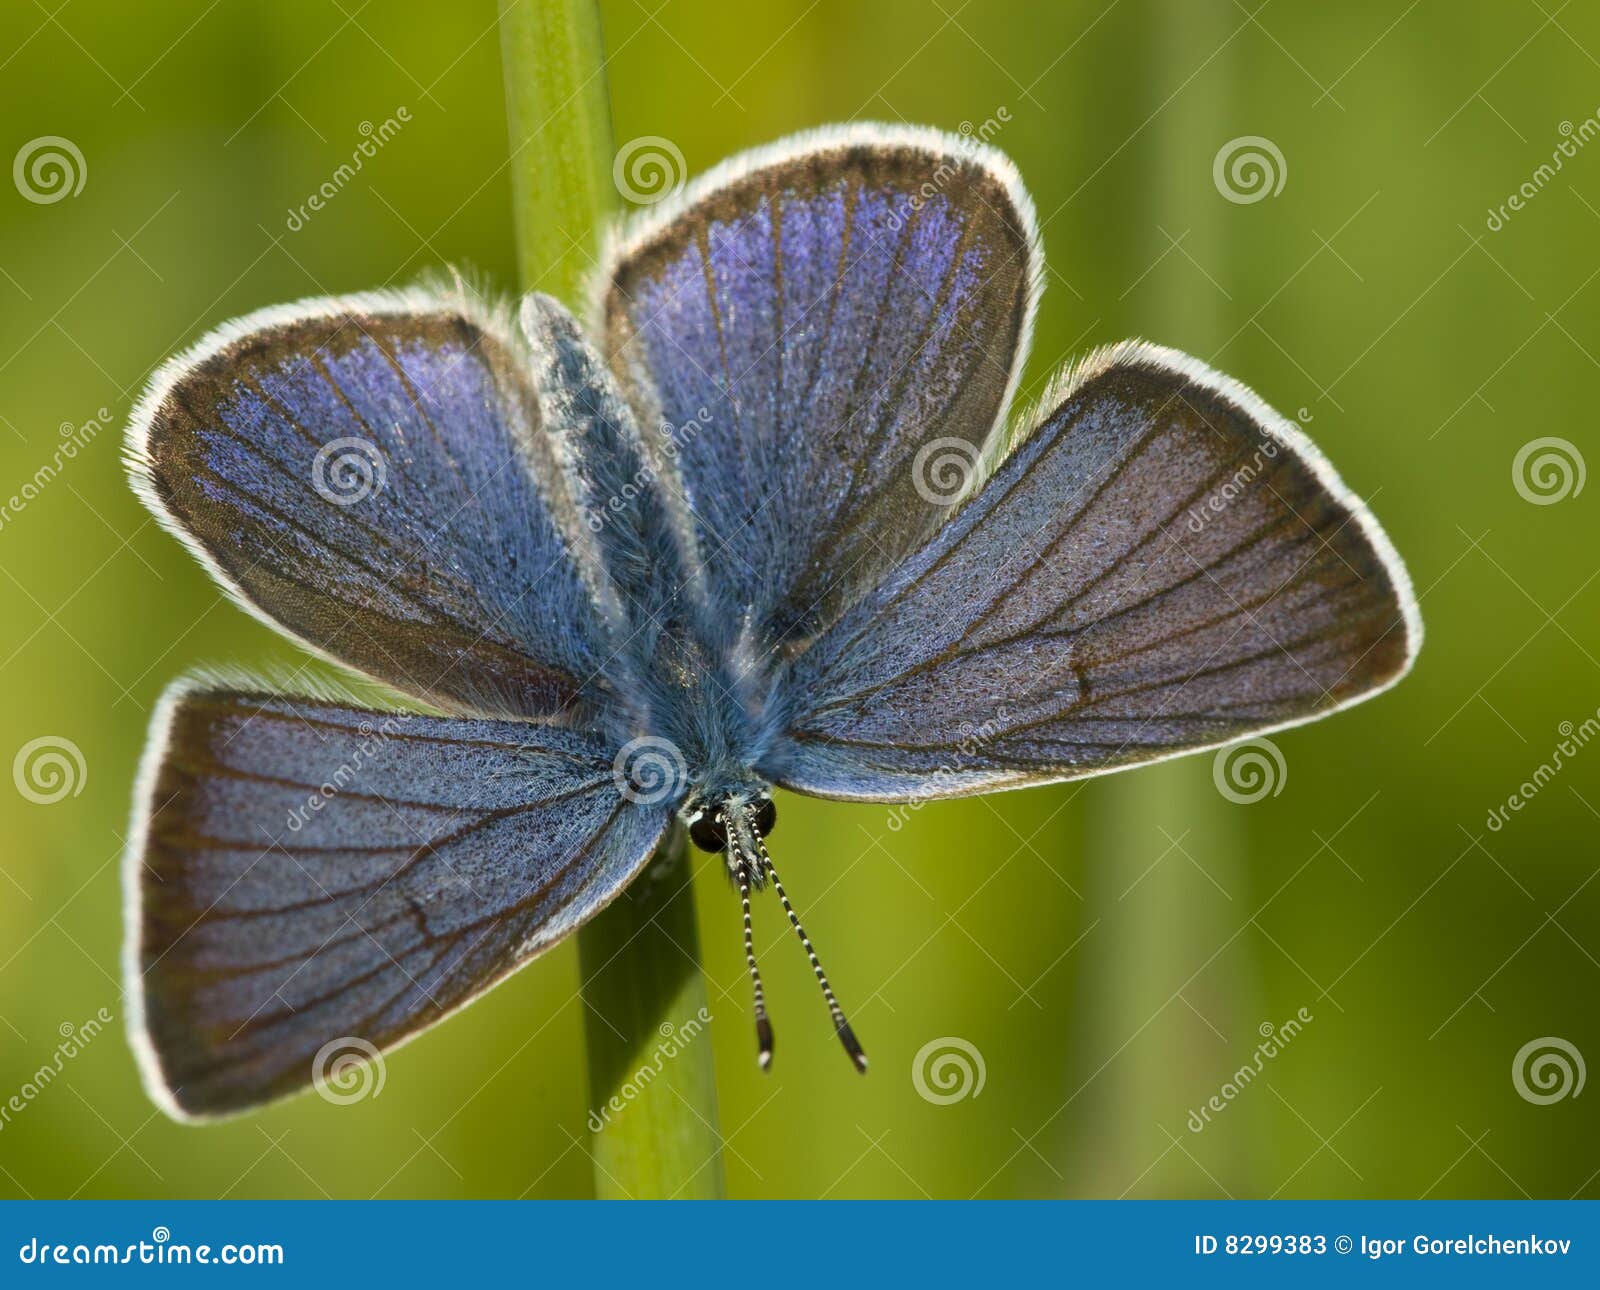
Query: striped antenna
pixel 841 1027
pixel 741 872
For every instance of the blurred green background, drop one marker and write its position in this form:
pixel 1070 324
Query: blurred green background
pixel 1111 951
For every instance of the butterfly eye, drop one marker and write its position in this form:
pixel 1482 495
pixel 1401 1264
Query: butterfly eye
pixel 707 833
pixel 766 816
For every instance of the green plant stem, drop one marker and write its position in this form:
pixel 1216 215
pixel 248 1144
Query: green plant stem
pixel 652 1082
pixel 559 120
pixel 651 1075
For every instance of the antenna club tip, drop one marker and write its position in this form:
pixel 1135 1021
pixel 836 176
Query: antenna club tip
pixel 764 1043
pixel 852 1046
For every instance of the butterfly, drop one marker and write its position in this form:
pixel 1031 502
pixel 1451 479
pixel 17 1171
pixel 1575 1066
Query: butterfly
pixel 764 521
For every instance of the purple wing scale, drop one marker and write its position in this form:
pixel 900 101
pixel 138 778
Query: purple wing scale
pixel 369 476
pixel 806 319
pixel 1163 565
pixel 305 872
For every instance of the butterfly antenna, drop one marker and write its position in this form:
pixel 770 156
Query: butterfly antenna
pixel 841 1027
pixel 763 1025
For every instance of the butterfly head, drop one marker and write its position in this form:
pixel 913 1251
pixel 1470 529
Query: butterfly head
pixel 733 824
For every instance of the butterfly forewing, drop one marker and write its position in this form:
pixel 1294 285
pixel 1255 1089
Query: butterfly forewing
pixel 1163 565
pixel 806 320
pixel 368 474
pixel 304 873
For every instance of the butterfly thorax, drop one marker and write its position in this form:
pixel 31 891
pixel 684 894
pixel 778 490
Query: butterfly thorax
pixel 708 714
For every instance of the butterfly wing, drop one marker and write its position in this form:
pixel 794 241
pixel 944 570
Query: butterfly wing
pixel 801 322
pixel 369 474
pixel 309 881
pixel 1163 565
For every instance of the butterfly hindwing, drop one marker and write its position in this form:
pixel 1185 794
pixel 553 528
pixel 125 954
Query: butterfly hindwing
pixel 1163 565
pixel 805 319
pixel 303 872
pixel 368 474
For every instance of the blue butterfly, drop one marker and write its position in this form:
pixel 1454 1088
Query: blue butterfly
pixel 767 523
